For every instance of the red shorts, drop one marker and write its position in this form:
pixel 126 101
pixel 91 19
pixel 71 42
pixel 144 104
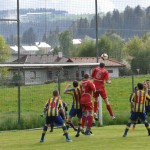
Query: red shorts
pixel 87 107
pixel 101 92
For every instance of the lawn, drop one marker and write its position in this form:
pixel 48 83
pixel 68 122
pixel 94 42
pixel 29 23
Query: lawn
pixel 33 98
pixel 104 138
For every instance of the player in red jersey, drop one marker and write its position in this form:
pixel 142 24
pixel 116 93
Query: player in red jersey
pixel 100 75
pixel 87 89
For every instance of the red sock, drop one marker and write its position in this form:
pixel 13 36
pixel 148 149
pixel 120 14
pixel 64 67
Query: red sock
pixel 109 109
pixel 83 121
pixel 95 106
pixel 90 121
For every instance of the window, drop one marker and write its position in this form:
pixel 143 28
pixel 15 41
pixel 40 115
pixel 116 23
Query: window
pixel 110 71
pixel 49 75
pixel 82 73
pixel 33 74
pixel 77 75
pixel 66 73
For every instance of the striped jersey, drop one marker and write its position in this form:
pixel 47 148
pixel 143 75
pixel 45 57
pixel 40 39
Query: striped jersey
pixel 53 105
pixel 147 102
pixel 76 94
pixel 139 98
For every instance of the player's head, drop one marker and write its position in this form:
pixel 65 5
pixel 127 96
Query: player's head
pixel 75 83
pixel 86 76
pixel 140 86
pixel 102 65
pixel 55 93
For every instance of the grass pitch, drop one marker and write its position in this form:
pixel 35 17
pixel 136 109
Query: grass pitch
pixel 104 138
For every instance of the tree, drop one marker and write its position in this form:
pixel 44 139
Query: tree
pixel 105 45
pixel 4 56
pixel 117 46
pixel 86 49
pixel 65 43
pixel 29 37
pixel 141 62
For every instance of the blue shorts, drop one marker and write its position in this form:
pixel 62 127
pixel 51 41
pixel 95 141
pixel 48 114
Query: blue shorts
pixel 147 109
pixel 54 119
pixel 138 115
pixel 73 112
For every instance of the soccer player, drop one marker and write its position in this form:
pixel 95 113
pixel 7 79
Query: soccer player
pixel 100 75
pixel 138 98
pixel 87 89
pixel 76 106
pixel 63 113
pixel 52 107
pixel 147 103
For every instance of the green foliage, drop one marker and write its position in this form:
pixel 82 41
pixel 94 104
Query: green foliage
pixel 65 42
pixel 133 46
pixel 29 37
pixel 86 49
pixel 105 45
pixel 141 62
pixel 4 56
pixel 138 49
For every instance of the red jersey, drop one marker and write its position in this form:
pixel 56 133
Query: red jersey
pixel 87 88
pixel 99 75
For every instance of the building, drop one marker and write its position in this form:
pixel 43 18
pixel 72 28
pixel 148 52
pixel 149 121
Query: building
pixel 44 74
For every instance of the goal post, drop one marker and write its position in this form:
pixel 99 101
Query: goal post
pixel 100 111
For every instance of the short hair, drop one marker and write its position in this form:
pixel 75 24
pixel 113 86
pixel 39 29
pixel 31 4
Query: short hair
pixel 55 93
pixel 86 76
pixel 75 83
pixel 140 86
pixel 102 65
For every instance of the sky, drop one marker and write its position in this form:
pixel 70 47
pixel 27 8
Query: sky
pixel 75 6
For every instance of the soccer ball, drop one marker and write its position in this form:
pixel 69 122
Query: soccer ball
pixel 104 56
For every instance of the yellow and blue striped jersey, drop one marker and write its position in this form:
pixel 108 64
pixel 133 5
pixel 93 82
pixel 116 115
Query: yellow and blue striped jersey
pixel 147 102
pixel 139 98
pixel 76 94
pixel 53 105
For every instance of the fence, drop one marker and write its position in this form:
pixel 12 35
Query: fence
pixel 33 32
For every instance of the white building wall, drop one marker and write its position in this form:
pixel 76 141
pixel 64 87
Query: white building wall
pixel 115 72
pixel 35 76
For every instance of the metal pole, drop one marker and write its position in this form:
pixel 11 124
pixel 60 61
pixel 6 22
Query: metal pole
pixel 59 81
pixel 100 111
pixel 96 27
pixel 132 82
pixel 18 40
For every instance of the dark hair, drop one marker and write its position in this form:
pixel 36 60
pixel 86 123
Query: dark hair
pixel 140 86
pixel 55 93
pixel 86 76
pixel 75 83
pixel 102 65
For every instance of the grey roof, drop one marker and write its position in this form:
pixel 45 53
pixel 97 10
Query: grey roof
pixel 42 59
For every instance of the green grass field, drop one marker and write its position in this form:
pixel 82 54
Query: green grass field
pixel 33 98
pixel 104 138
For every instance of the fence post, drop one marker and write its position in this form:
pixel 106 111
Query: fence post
pixel 100 111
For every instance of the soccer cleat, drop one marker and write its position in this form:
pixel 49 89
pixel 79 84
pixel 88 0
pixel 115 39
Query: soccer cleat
pixel 113 118
pixel 124 135
pixel 68 140
pixel 42 140
pixel 82 131
pixel 75 129
pixel 77 135
pixel 87 132
pixel 148 132
pixel 51 130
pixel 95 116
pixel 91 132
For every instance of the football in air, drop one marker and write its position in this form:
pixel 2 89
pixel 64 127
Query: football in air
pixel 104 56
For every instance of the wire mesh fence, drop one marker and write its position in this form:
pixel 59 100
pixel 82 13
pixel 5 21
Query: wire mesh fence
pixel 49 32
